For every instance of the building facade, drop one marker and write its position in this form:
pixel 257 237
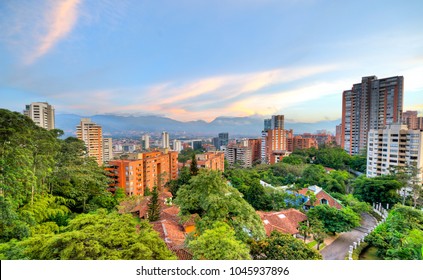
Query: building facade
pixel 394 146
pixel 210 160
pixel 239 154
pixel 143 171
pixel 41 113
pixel 274 143
pixel 165 140
pixel 107 149
pixel 145 142
pixel 92 135
pixel 371 104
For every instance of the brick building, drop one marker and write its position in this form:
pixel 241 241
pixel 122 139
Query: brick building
pixel 143 170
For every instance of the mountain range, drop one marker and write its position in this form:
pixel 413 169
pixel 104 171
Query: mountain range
pixel 115 125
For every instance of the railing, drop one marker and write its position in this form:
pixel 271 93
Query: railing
pixel 377 207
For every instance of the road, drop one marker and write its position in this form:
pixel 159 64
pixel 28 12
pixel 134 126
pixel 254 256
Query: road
pixel 338 249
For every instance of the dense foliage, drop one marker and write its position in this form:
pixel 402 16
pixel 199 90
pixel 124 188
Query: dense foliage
pixel 210 196
pixel 86 238
pixel 400 237
pixel 334 220
pixel 281 246
pixel 45 184
pixel 218 243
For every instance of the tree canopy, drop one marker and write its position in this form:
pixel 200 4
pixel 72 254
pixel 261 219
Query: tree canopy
pixel 213 199
pixel 281 246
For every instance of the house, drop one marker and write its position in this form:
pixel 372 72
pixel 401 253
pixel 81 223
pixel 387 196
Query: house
pixel 285 221
pixel 322 197
pixel 169 227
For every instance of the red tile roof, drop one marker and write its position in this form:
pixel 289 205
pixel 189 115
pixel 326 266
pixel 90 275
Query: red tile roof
pixel 285 221
pixel 320 194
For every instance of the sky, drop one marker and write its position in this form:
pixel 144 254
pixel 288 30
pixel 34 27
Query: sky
pixel 192 59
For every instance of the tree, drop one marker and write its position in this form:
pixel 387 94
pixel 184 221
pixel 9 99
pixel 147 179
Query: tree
pixel 193 166
pixel 313 174
pixel 400 237
pixel 304 229
pixel 86 239
pixel 210 196
pixel 218 243
pixel 183 178
pixel 382 189
pixel 281 246
pixel 334 220
pixel 318 232
pixel 154 206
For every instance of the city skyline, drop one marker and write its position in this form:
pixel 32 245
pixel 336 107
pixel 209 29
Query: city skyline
pixel 193 60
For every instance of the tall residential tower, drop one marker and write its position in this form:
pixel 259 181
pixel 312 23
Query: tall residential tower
pixel 41 113
pixel 371 104
pixel 92 134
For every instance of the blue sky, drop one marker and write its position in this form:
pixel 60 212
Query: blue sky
pixel 193 59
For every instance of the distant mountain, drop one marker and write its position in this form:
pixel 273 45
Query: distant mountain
pixel 133 125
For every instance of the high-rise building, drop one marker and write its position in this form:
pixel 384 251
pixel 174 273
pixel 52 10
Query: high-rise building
pixel 165 140
pixel 411 119
pixel 145 142
pixel 239 154
pixel 277 121
pixel 371 104
pixel 41 113
pixel 92 134
pixel 177 145
pixel 107 149
pixel 144 171
pixel 223 140
pixel 197 144
pixel 395 145
pixel 255 145
pixel 338 135
pixel 273 139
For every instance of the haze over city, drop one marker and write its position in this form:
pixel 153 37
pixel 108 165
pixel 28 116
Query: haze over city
pixel 191 60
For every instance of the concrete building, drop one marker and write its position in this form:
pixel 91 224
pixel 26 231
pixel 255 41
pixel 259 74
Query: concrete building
pixel 221 141
pixel 41 113
pixel 239 154
pixel 165 140
pixel 371 104
pixel 107 149
pixel 338 135
pixel 92 135
pixel 395 145
pixel 197 144
pixel 143 171
pixel 412 121
pixel 177 145
pixel 273 139
pixel 210 160
pixel 145 142
pixel 255 145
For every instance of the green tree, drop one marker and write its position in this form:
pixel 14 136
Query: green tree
pixel 193 166
pixel 86 239
pixel 382 189
pixel 213 199
pixel 183 178
pixel 304 229
pixel 400 237
pixel 318 232
pixel 313 174
pixel 154 206
pixel 281 246
pixel 218 243
pixel 334 220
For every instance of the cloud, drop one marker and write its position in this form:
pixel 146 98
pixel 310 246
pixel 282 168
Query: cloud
pixel 205 98
pixel 59 20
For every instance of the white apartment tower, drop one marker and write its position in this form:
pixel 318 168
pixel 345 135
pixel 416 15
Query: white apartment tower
pixel 165 140
pixel 395 145
pixel 107 149
pixel 41 113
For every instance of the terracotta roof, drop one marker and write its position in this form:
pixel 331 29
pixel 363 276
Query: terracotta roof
pixel 170 231
pixel 320 194
pixel 285 221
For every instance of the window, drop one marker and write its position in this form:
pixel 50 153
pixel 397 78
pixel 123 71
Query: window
pixel 323 201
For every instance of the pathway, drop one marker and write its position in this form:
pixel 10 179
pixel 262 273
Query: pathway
pixel 338 249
